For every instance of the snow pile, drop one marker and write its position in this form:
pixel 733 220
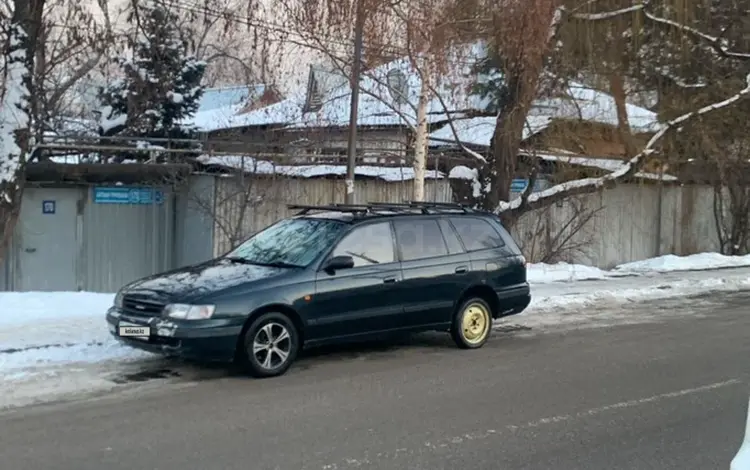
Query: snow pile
pixel 42 329
pixel 602 303
pixel 671 263
pixel 540 273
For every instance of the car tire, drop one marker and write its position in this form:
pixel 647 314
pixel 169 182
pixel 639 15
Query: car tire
pixel 472 323
pixel 270 345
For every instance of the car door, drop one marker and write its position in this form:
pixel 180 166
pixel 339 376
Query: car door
pixel 435 268
pixel 359 300
pixel 490 254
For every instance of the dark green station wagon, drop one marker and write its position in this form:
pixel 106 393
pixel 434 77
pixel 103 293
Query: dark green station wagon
pixel 329 274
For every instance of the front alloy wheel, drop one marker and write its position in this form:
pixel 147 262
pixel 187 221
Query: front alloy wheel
pixel 271 345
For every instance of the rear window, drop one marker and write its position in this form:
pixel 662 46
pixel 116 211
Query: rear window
pixel 419 239
pixel 477 234
pixel 451 239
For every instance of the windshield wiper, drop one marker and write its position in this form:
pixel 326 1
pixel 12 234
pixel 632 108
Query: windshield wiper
pixel 274 264
pixel 279 264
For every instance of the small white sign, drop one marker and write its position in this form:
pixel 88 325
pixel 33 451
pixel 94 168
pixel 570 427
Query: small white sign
pixel 137 331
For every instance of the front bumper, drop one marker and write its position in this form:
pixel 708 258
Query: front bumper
pixel 202 340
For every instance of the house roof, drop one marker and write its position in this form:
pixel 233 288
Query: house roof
pixel 379 104
pixel 579 102
pixel 221 97
pixel 264 167
pixel 218 106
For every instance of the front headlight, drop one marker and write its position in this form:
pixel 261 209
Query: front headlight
pixel 189 312
pixel 118 299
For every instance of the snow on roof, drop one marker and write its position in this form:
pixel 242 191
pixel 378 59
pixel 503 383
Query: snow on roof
pixel 219 106
pixel 378 105
pixel 222 97
pixel 283 112
pixel 579 103
pixel 256 166
pixel 479 131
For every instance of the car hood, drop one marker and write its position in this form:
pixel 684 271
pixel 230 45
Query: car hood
pixel 193 282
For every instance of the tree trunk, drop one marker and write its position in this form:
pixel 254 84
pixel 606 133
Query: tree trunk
pixel 617 89
pixel 524 56
pixel 502 163
pixel 420 141
pixel 17 123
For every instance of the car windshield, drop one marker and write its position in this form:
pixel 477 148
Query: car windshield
pixel 288 243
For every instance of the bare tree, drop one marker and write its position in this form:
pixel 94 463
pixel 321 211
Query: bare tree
pixel 73 41
pixel 529 201
pixel 234 204
pixel 234 39
pixel 524 37
pixel 552 234
pixel 425 38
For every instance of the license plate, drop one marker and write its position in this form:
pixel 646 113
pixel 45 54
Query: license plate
pixel 135 331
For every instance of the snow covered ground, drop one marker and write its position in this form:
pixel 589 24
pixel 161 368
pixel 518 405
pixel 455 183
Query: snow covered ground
pixel 56 344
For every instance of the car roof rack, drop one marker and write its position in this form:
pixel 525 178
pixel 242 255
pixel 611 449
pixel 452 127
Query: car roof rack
pixel 386 208
pixel 305 209
pixel 424 207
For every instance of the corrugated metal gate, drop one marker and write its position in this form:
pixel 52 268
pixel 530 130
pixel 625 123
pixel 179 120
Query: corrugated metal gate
pixel 91 238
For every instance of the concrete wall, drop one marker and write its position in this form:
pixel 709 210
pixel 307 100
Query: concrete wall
pixel 630 222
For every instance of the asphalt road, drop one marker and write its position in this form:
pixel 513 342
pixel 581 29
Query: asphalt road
pixel 665 395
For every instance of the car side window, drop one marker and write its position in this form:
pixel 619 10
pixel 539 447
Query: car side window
pixel 477 234
pixel 419 239
pixel 454 245
pixel 369 245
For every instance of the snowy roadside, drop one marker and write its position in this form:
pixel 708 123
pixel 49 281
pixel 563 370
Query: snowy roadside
pixel 57 344
pixel 587 303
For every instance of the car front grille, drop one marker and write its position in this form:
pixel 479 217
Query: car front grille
pixel 139 307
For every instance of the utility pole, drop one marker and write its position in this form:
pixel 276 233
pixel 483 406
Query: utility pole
pixel 351 161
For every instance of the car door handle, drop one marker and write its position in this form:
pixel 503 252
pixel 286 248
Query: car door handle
pixel 462 269
pixel 389 280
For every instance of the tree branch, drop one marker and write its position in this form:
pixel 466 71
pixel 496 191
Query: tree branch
pixel 588 185
pixel 716 43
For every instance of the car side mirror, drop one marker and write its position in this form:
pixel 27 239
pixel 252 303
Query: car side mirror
pixel 338 262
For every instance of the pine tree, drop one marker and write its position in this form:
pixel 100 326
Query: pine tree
pixel 490 83
pixel 161 83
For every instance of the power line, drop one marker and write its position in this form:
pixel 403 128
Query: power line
pixel 307 38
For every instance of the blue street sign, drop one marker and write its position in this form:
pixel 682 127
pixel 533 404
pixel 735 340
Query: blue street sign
pixel 126 195
pixel 518 185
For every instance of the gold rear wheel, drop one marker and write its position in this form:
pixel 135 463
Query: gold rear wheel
pixel 473 324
